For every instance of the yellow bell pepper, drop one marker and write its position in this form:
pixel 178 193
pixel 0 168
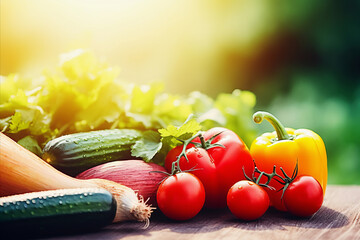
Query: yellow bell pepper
pixel 286 147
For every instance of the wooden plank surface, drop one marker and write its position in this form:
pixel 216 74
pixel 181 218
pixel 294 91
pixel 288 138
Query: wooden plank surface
pixel 339 218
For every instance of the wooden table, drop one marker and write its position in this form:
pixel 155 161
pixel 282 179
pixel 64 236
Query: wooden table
pixel 339 218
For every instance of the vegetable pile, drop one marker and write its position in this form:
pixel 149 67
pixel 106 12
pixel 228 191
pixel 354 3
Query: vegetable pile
pixel 22 172
pixel 247 181
pixel 132 148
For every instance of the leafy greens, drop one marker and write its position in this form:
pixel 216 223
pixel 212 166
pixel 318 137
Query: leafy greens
pixel 84 94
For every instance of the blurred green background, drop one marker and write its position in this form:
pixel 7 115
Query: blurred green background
pixel 301 58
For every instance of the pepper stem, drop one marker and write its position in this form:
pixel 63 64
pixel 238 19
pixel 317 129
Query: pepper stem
pixel 259 116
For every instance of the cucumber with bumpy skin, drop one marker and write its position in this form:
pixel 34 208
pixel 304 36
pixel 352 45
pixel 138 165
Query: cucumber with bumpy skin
pixel 77 152
pixel 56 211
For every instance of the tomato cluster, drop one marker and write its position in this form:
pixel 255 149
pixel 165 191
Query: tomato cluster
pixel 212 168
pixel 248 201
pixel 217 157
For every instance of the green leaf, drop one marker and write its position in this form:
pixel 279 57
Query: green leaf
pixel 104 104
pixel 4 123
pixel 237 108
pixel 200 102
pixel 31 144
pixel 18 123
pixel 214 115
pixel 148 146
pixel 189 127
pixel 171 134
pixel 172 109
pixel 155 145
pixel 143 97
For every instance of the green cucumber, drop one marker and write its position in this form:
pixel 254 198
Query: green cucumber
pixel 77 152
pixel 57 211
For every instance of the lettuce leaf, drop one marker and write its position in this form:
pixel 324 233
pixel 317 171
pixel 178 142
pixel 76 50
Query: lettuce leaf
pixel 154 145
pixel 84 94
pixel 147 147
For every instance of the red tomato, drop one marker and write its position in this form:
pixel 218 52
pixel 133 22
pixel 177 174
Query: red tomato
pixel 304 196
pixel 181 196
pixel 218 168
pixel 247 200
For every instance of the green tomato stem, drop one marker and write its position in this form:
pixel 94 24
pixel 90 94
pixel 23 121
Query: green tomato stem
pixel 203 143
pixel 258 117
